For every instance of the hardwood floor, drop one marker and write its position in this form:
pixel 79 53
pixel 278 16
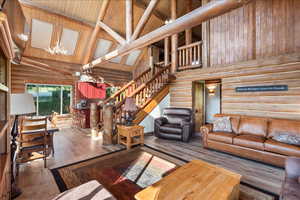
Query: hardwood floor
pixel 257 174
pixel 73 145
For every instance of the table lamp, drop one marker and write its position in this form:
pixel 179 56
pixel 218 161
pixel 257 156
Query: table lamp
pixel 130 107
pixel 20 104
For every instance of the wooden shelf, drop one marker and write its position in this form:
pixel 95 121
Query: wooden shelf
pixel 3 88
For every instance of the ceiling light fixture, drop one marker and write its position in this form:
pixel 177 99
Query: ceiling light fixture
pixel 23 37
pixel 57 49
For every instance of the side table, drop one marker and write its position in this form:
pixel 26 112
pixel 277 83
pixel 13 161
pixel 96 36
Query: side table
pixel 130 135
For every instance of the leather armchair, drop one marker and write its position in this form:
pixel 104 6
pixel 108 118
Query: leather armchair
pixel 291 186
pixel 175 123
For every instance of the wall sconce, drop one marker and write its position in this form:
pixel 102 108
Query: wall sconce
pixel 211 89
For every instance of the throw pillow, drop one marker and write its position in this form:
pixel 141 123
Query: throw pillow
pixel 222 124
pixel 288 139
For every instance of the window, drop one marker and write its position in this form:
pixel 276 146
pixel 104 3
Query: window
pixel 103 47
pixel 51 98
pixel 41 34
pixel 69 40
pixel 131 59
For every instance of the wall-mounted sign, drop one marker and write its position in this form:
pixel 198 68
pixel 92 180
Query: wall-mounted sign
pixel 266 88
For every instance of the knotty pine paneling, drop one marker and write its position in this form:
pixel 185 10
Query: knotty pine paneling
pixel 260 29
pixel 282 104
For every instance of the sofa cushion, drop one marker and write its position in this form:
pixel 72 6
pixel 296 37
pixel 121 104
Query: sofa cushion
pixel 288 139
pixel 283 126
pixel 222 124
pixel 221 137
pixel 235 121
pixel 171 129
pixel 250 141
pixel 253 126
pixel 281 148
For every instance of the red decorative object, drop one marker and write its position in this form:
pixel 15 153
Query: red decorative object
pixel 89 90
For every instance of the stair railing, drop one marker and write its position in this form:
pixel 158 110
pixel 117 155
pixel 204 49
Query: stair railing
pixel 145 92
pixel 127 90
pixel 189 56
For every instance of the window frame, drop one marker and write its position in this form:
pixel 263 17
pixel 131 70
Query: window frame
pixel 61 96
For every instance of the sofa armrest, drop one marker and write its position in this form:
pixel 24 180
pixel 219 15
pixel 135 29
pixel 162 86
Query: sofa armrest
pixel 160 121
pixel 205 130
pixel 292 167
pixel 187 130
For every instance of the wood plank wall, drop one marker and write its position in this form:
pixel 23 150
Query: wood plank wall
pixel 253 45
pixel 25 74
pixel 280 70
pixel 263 28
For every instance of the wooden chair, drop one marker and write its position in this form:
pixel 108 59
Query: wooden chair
pixel 32 140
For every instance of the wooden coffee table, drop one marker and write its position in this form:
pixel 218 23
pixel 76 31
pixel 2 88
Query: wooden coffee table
pixel 195 180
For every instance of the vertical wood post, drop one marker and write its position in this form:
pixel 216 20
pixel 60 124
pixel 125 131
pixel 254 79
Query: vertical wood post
pixel 206 41
pixel 151 59
pixel 107 124
pixel 128 19
pixel 167 50
pixel 188 32
pixel 94 116
pixel 174 39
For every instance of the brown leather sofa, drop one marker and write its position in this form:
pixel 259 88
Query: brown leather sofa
pixel 251 138
pixel 291 185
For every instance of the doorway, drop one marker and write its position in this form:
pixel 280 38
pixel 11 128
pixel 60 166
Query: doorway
pixel 212 99
pixel 198 104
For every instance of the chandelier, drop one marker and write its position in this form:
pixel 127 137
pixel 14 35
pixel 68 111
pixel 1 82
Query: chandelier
pixel 57 49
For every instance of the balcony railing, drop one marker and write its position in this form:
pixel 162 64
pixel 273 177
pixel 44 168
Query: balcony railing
pixel 189 56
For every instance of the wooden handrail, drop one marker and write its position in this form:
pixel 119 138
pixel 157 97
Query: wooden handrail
pixel 119 92
pixel 126 86
pixel 190 45
pixel 141 87
pixel 189 56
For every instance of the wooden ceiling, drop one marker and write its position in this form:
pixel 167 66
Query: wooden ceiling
pixel 81 16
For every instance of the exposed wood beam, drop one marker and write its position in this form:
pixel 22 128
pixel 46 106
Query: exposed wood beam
pixel 174 39
pixel 89 46
pixel 144 19
pixel 129 19
pixel 111 32
pixel 143 5
pixel 194 18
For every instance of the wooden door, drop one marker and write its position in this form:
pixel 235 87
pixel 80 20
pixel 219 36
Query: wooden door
pixel 198 104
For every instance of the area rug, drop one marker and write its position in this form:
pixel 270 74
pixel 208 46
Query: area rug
pixel 125 173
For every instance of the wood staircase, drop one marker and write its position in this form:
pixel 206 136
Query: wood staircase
pixel 143 89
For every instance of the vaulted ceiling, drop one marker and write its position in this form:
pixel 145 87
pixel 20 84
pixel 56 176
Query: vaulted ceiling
pixel 72 22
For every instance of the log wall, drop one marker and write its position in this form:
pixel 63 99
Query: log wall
pixel 25 74
pixel 276 71
pixel 253 45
